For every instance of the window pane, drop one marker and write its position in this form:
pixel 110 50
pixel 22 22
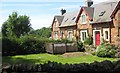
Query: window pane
pixel 83 18
pixel 70 36
pixel 83 36
pixel 106 34
pixel 56 35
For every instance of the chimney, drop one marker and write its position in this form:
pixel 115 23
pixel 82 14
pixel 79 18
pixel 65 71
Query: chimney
pixel 89 3
pixel 63 11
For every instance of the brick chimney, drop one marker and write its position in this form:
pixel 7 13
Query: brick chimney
pixel 63 11
pixel 89 3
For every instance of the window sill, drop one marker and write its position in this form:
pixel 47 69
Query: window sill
pixel 106 40
pixel 84 23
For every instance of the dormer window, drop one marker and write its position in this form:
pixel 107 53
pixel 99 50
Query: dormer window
pixel 73 18
pixel 66 20
pixel 83 18
pixel 102 13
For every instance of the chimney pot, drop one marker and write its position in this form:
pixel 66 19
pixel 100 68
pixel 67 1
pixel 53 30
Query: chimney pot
pixel 89 3
pixel 63 11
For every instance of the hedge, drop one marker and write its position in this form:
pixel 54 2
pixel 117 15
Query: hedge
pixel 21 46
pixel 29 44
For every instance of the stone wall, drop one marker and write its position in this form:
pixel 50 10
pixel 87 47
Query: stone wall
pixel 54 67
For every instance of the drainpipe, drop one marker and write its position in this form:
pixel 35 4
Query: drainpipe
pixel 76 37
pixel 110 30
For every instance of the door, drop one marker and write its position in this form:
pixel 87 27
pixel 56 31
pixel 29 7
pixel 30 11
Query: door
pixel 97 38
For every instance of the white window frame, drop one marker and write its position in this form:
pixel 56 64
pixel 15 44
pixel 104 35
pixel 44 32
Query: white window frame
pixel 104 34
pixel 82 34
pixel 62 34
pixel 69 36
pixel 83 22
pixel 56 35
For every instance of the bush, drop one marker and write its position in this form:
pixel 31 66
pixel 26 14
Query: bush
pixel 23 45
pixel 88 41
pixel 9 46
pixel 62 41
pixel 117 54
pixel 31 45
pixel 80 46
pixel 106 50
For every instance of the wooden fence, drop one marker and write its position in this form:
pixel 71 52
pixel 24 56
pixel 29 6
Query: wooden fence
pixel 59 48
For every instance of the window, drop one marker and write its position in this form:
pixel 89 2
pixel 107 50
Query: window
pixel 70 34
pixel 56 35
pixel 62 34
pixel 83 18
pixel 102 13
pixel 83 35
pixel 73 18
pixel 66 20
pixel 106 34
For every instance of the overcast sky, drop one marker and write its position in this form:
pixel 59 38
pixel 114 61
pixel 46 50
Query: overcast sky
pixel 41 12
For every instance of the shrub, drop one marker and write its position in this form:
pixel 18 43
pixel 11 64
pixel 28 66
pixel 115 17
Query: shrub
pixel 88 41
pixel 31 45
pixel 117 54
pixel 105 50
pixel 23 45
pixel 9 46
pixel 80 46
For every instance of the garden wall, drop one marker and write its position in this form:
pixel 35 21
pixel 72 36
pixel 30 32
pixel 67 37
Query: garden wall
pixel 54 67
pixel 59 48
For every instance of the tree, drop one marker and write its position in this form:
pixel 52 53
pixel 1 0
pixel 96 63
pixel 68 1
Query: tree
pixel 43 32
pixel 16 25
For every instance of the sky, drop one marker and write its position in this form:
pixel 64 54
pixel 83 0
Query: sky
pixel 41 12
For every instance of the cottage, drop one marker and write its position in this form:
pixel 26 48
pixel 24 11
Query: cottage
pixel 98 21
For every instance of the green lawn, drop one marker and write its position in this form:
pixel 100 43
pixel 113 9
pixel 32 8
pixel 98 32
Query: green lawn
pixel 43 58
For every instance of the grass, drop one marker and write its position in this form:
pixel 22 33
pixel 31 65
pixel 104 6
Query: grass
pixel 44 58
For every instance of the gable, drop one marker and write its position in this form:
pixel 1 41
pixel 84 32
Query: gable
pixel 88 11
pixel 58 20
pixel 56 23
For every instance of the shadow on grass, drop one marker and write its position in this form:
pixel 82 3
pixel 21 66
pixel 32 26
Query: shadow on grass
pixel 19 60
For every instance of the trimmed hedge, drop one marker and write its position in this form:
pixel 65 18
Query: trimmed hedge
pixel 21 46
pixel 29 44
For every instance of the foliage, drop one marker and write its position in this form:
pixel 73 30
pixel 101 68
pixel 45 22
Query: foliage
pixel 23 45
pixel 16 25
pixel 62 41
pixel 9 46
pixel 88 41
pixel 117 54
pixel 55 67
pixel 80 46
pixel 31 45
pixel 0 34
pixel 43 32
pixel 106 50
